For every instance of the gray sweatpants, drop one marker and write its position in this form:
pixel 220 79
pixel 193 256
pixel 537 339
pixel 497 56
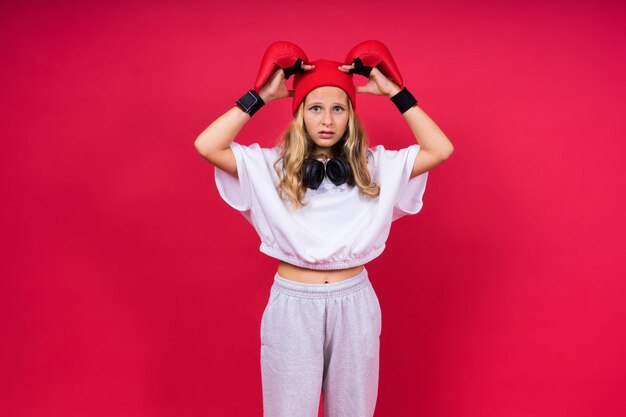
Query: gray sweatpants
pixel 320 337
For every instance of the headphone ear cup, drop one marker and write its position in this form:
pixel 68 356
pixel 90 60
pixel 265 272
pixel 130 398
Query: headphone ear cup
pixel 338 170
pixel 312 173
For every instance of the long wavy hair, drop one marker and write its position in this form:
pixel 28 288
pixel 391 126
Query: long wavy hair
pixel 296 146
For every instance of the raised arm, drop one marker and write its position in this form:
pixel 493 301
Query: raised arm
pixel 214 142
pixel 435 147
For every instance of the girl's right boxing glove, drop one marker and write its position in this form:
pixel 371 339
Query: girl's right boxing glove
pixel 280 54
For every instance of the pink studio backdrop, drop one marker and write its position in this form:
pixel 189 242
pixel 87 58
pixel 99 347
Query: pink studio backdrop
pixel 129 288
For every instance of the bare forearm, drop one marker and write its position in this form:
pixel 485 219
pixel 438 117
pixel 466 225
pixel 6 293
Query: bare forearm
pixel 220 134
pixel 429 136
pixel 427 133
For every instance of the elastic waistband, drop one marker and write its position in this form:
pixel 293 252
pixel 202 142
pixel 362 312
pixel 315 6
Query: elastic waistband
pixel 334 289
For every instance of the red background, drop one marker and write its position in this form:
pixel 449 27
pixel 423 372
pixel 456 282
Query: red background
pixel 129 288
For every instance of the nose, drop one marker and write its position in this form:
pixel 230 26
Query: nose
pixel 327 119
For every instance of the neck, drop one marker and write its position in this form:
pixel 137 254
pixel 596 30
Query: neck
pixel 320 152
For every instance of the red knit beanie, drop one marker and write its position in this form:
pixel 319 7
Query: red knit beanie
pixel 324 73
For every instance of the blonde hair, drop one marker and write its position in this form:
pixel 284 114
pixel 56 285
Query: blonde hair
pixel 297 146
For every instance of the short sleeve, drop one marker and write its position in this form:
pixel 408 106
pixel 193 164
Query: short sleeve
pixel 235 190
pixel 394 169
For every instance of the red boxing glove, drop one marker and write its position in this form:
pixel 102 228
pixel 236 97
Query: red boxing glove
pixel 373 53
pixel 282 54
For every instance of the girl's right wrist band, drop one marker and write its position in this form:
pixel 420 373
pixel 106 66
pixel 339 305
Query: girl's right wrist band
pixel 250 102
pixel 404 100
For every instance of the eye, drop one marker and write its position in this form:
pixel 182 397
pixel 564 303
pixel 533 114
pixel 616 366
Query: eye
pixel 314 107
pixel 339 107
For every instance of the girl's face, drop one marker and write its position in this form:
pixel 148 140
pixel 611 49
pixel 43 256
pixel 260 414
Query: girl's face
pixel 326 110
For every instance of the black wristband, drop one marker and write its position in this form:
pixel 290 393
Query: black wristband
pixel 250 102
pixel 404 100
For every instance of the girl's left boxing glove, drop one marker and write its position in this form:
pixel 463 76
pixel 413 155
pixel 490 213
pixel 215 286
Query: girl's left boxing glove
pixel 372 53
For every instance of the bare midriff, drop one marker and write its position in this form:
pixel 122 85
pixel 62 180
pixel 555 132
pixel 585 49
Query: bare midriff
pixel 316 276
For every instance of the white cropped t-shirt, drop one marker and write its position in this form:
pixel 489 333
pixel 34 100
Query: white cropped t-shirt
pixel 339 228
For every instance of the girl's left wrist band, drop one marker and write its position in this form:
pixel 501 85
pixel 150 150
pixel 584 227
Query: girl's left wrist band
pixel 250 102
pixel 404 100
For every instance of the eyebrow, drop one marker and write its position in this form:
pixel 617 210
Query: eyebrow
pixel 319 102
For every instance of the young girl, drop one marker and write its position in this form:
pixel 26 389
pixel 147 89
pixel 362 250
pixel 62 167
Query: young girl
pixel 322 203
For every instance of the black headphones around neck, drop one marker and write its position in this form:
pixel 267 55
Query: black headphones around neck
pixel 337 170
